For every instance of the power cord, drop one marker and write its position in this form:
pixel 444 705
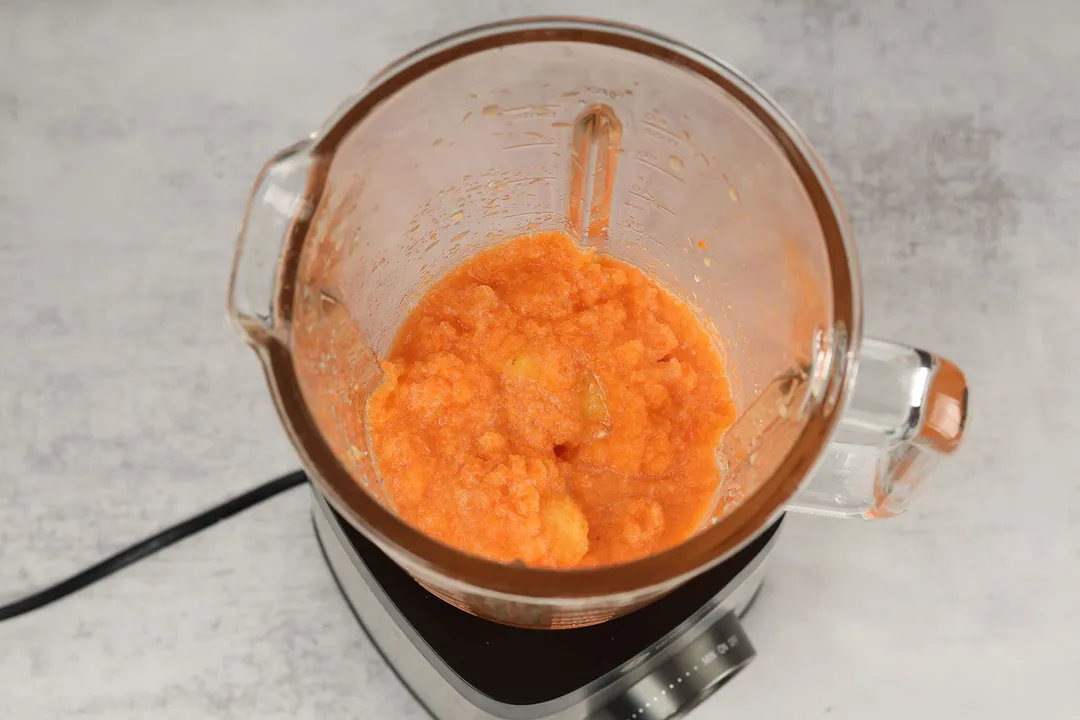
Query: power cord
pixel 151 545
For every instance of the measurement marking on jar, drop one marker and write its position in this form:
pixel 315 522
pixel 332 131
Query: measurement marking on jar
pixel 664 131
pixel 662 171
pixel 524 214
pixel 608 92
pixel 645 195
pixel 524 112
pixel 633 225
pixel 524 146
pixel 529 181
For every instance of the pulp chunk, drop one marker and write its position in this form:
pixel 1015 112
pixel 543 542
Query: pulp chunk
pixel 567 530
pixel 594 406
pixel 547 405
pixel 523 366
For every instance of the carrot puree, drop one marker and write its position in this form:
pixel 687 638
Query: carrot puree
pixel 552 406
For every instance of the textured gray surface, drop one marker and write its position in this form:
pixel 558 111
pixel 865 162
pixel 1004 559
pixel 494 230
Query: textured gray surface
pixel 129 134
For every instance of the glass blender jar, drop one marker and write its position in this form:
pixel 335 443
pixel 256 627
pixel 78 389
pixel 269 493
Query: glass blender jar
pixel 645 149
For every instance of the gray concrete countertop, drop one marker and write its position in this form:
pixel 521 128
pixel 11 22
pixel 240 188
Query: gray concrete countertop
pixel 129 136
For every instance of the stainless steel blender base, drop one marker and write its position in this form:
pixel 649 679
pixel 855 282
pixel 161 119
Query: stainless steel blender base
pixel 663 680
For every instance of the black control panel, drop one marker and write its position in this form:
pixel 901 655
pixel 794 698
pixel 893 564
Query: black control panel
pixel 687 678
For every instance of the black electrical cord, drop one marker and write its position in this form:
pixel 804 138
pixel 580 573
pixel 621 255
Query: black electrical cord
pixel 151 545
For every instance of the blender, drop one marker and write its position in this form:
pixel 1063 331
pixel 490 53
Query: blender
pixel 663 157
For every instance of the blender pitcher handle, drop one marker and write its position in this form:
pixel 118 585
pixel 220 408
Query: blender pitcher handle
pixel 278 202
pixel 908 409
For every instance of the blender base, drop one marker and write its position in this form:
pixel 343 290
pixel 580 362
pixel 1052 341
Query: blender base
pixel 655 663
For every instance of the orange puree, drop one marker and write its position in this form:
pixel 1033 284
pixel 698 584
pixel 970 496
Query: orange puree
pixel 551 406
